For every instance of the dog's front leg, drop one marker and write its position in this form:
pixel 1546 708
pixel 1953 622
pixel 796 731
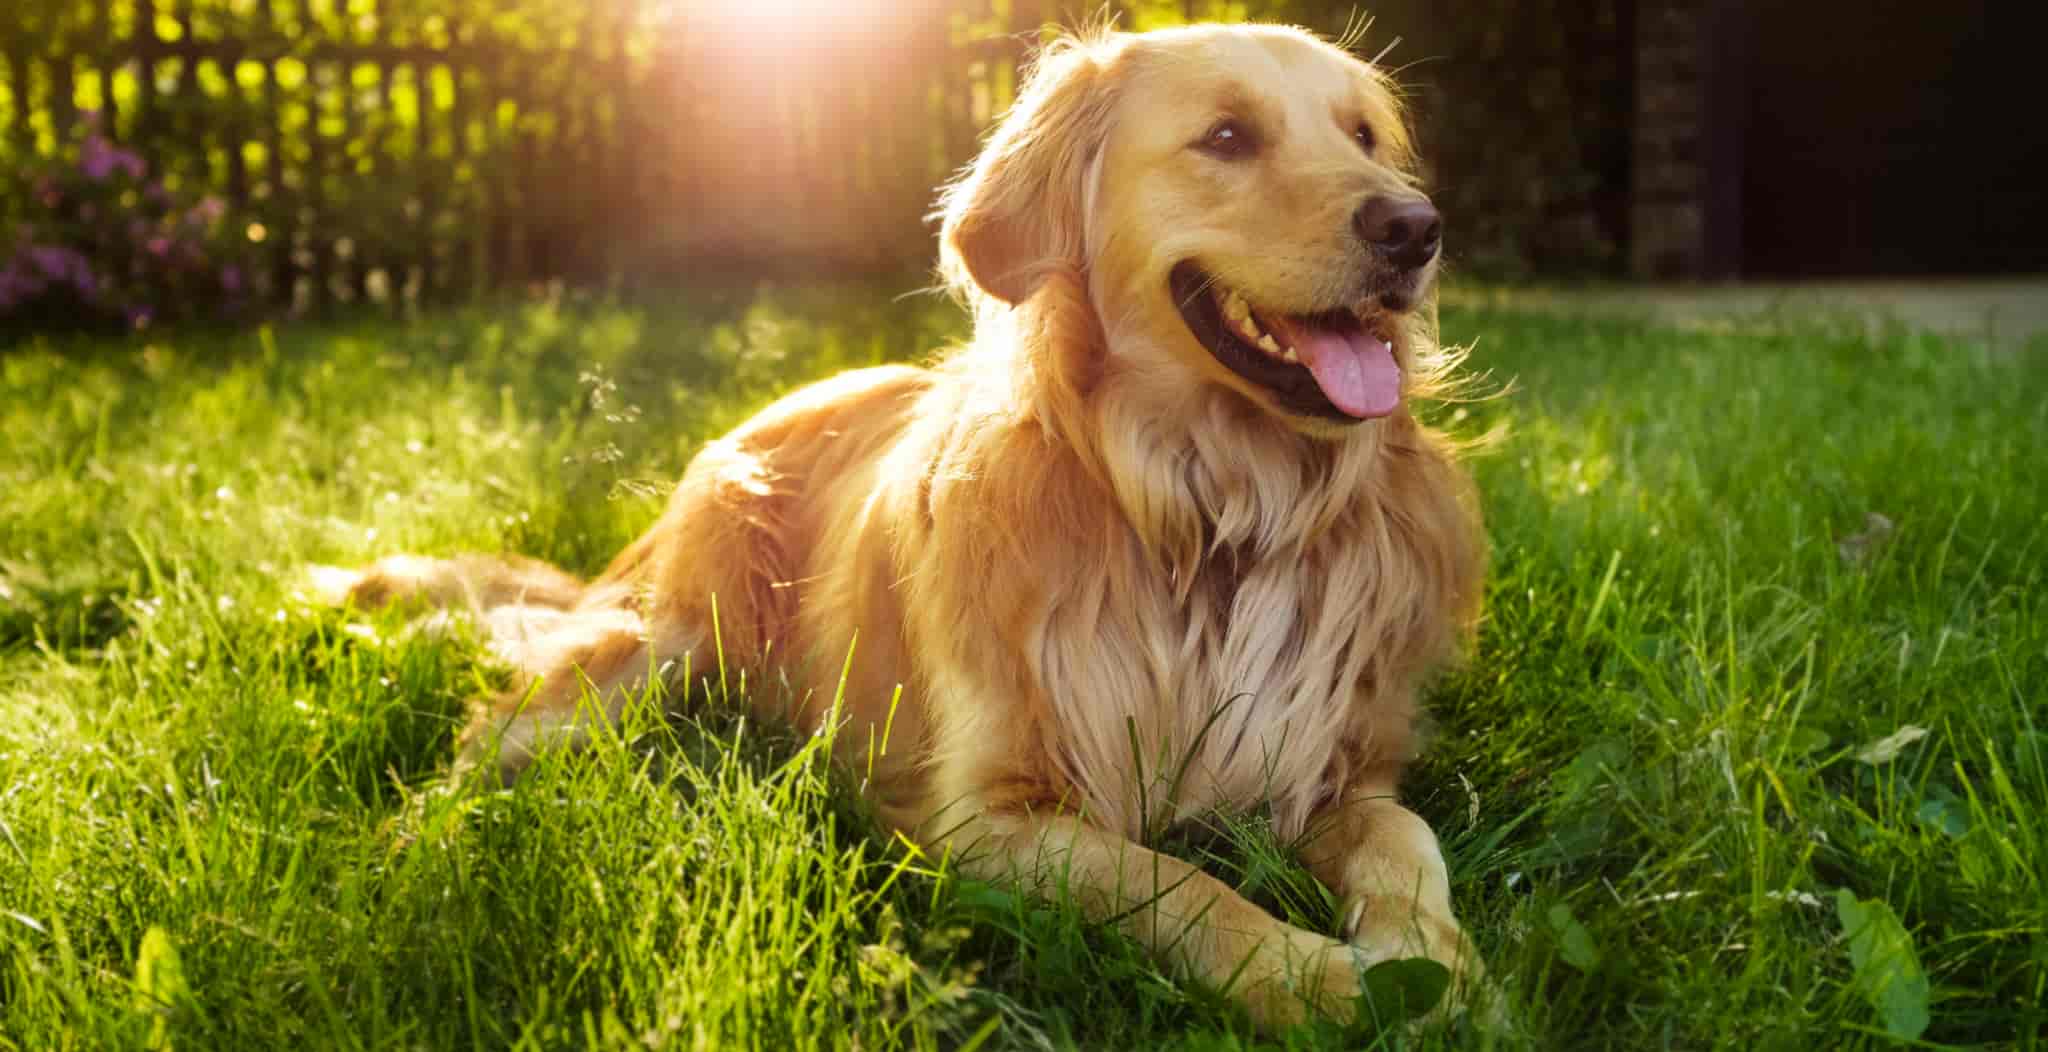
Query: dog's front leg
pixel 1187 919
pixel 1383 861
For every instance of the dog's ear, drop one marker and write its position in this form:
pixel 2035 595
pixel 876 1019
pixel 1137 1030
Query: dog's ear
pixel 1019 212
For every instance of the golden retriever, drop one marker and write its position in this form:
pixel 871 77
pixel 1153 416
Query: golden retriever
pixel 1162 538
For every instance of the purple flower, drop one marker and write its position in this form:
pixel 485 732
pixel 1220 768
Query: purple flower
pixel 207 212
pixel 65 265
pixel 98 158
pixel 231 279
pixel 18 284
pixel 40 266
pixel 139 317
pixel 158 246
pixel 56 261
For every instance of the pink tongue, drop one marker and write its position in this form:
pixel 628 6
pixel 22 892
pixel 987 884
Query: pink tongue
pixel 1354 368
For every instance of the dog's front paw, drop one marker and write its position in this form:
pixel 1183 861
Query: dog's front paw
pixel 1300 977
pixel 1453 969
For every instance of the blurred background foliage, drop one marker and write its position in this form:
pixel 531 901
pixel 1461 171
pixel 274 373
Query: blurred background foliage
pixel 398 150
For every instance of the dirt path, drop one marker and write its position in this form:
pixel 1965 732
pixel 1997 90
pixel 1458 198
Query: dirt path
pixel 2006 314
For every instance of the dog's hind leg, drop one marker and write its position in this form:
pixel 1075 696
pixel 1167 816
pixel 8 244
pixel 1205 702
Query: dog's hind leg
pixel 577 673
pixel 476 583
pixel 532 617
pixel 706 588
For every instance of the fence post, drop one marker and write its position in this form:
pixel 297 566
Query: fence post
pixel 419 262
pixel 105 60
pixel 238 126
pixel 16 65
pixel 63 87
pixel 147 50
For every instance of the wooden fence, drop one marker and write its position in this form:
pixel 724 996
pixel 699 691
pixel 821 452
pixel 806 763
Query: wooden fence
pixel 434 147
pixel 387 148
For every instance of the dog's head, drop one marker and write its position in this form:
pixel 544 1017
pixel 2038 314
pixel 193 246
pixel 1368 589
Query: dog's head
pixel 1241 203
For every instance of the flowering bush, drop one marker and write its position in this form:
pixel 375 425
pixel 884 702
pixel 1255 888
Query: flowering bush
pixel 88 235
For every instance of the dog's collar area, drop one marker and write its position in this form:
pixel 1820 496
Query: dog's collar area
pixel 1330 365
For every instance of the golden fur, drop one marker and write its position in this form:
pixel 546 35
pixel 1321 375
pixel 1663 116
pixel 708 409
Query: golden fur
pixel 1115 583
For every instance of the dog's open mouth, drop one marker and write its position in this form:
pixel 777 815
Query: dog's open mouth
pixel 1333 364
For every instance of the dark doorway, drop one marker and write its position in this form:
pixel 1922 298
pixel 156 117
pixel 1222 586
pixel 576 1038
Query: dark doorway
pixel 1892 138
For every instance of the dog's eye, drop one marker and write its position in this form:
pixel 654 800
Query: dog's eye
pixel 1229 139
pixel 1365 137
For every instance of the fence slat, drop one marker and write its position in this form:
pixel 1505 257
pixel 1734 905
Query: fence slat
pixel 147 49
pixel 419 262
pixel 14 61
pixel 109 67
pixel 352 268
pixel 63 85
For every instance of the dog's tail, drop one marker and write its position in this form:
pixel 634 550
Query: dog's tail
pixel 473 583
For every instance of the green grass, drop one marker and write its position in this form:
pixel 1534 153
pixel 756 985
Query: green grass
pixel 222 826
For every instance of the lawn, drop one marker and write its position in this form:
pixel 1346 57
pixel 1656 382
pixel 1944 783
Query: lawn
pixel 1734 765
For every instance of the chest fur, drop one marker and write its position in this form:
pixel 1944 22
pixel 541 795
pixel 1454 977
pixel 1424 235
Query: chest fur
pixel 1229 684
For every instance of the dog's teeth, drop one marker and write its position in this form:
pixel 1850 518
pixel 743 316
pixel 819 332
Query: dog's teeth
pixel 1238 314
pixel 1287 355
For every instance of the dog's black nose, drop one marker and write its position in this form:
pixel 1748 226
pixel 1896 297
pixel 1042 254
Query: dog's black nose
pixel 1405 231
